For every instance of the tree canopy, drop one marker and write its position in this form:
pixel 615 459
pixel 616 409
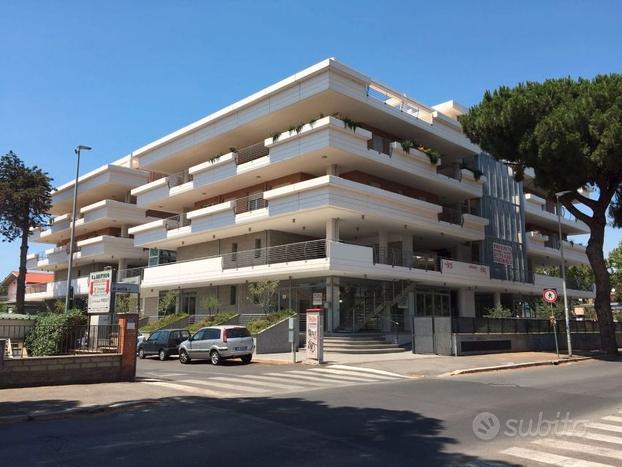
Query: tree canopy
pixel 570 132
pixel 25 199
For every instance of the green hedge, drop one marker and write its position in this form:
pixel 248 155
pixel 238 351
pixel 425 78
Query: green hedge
pixel 162 322
pixel 257 325
pixel 51 331
pixel 214 320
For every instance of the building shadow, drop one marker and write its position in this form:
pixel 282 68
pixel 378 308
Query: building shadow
pixel 270 431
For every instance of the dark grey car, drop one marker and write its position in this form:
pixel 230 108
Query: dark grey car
pixel 163 343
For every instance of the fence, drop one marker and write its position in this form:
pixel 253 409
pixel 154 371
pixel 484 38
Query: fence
pixel 179 178
pixel 468 325
pixel 249 203
pixel 65 341
pixel 252 152
pixel 301 251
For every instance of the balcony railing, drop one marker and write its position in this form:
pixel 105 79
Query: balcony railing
pixel 509 273
pixel 36 288
pixel 179 178
pixel 252 152
pixel 302 251
pixel 380 144
pixel 552 242
pixel 250 203
pixel 401 258
pixel 394 100
pixel 452 215
pixel 451 172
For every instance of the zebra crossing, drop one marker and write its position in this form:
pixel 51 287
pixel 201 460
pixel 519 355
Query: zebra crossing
pixel 254 385
pixel 593 444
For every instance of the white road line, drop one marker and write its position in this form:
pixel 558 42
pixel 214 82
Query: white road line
pixel 306 380
pixel 354 374
pixel 260 381
pixel 329 377
pixel 579 447
pixel 604 426
pixel 368 370
pixel 181 387
pixel 613 418
pixel 551 459
pixel 595 437
pixel 218 385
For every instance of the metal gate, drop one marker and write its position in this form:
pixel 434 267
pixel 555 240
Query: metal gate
pixel 432 335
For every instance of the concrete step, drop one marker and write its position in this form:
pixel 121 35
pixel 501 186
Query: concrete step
pixel 367 351
pixel 361 343
pixel 374 345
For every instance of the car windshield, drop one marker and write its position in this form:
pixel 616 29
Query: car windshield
pixel 238 332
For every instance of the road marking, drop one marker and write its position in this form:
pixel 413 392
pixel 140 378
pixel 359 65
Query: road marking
pixel 613 418
pixel 218 384
pixel 328 377
pixel 181 387
pixel 551 459
pixel 596 437
pixel 368 370
pixel 579 447
pixel 259 381
pixel 306 380
pixel 604 426
pixel 353 374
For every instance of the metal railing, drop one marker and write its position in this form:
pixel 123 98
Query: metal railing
pixel 252 152
pixel 399 257
pixel 380 144
pixel 302 251
pixel 176 221
pixel 509 273
pixel 454 172
pixel 71 341
pixel 452 215
pixel 249 203
pixel 468 325
pixel 394 100
pixel 552 242
pixel 36 288
pixel 179 178
pixel 124 274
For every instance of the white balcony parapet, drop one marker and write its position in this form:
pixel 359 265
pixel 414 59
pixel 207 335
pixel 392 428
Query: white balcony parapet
pixel 57 289
pixel 328 135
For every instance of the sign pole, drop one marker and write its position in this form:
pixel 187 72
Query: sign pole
pixel 554 319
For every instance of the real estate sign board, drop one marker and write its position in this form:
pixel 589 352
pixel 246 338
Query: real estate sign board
pixel 100 292
pixel 502 254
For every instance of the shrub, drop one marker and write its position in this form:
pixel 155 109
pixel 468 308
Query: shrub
pixel 498 312
pixel 257 325
pixel 51 332
pixel 162 322
pixel 215 320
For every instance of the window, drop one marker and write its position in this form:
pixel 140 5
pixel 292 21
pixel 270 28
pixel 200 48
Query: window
pixel 238 332
pixel 233 294
pixel 189 303
pixel 257 247
pixel 163 337
pixel 155 336
pixel 234 251
pixel 212 333
pixel 199 335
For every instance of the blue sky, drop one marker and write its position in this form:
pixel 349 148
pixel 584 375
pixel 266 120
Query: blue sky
pixel 116 74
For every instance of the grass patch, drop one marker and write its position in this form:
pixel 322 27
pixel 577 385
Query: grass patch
pixel 257 325
pixel 214 320
pixel 164 321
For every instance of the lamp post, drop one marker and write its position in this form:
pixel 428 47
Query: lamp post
pixel 561 251
pixel 69 293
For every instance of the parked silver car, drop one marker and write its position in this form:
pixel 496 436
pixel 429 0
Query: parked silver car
pixel 218 343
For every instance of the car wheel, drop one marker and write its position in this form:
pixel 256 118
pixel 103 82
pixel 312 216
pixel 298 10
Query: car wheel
pixel 163 355
pixel 141 353
pixel 246 359
pixel 214 357
pixel 184 357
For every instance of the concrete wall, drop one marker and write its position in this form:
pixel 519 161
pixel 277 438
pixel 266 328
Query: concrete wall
pixel 526 342
pixel 70 369
pixel 275 339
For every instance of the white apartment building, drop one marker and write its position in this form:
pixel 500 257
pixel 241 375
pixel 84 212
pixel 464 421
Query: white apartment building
pixel 328 182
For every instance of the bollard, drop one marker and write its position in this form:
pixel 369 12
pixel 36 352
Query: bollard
pixel 128 332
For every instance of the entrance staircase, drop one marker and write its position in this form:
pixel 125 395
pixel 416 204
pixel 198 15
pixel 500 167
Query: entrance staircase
pixel 361 343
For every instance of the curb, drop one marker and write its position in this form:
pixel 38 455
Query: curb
pixel 84 410
pixel 514 366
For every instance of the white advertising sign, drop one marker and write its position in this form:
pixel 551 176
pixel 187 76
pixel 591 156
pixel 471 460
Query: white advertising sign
pixel 458 268
pixel 100 288
pixel 502 254
pixel 318 297
pixel 313 320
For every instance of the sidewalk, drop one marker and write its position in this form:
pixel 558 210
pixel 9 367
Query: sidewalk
pixel 409 364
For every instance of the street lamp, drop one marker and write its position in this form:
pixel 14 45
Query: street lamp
pixel 561 250
pixel 77 150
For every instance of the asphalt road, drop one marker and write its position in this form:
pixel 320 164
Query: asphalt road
pixel 392 421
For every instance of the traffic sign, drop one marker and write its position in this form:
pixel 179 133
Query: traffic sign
pixel 124 287
pixel 549 295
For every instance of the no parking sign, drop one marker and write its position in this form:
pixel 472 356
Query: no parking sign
pixel 549 295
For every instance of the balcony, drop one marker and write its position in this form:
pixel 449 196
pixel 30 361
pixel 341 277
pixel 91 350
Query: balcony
pixel 91 218
pixel 539 212
pixel 107 182
pixel 311 149
pixel 546 250
pixel 575 288
pixel 103 248
pixel 311 202
pixel 56 290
